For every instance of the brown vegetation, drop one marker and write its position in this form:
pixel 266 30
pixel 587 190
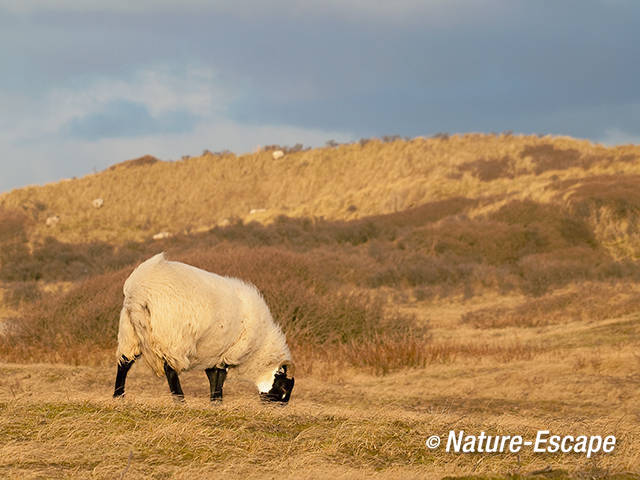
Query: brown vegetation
pixel 136 162
pixel 584 303
pixel 485 278
pixel 488 169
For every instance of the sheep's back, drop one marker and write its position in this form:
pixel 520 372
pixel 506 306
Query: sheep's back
pixel 194 316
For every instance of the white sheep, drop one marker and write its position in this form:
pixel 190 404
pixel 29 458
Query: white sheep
pixel 277 154
pixel 179 317
pixel 52 221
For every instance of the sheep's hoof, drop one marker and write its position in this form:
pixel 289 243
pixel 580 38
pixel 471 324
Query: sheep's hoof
pixel 178 398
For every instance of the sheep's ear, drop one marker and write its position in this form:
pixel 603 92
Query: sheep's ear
pixel 288 368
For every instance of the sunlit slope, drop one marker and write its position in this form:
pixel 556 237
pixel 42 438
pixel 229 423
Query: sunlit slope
pixel 344 182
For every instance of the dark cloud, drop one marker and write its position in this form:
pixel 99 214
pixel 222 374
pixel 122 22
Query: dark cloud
pixel 408 68
pixel 123 118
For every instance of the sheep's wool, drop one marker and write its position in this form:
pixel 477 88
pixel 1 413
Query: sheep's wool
pixel 192 318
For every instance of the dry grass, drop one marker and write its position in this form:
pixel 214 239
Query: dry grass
pixel 460 282
pixel 582 303
pixel 345 182
pixel 58 421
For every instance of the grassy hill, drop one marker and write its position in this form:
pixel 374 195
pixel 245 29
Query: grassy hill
pixel 482 281
pixel 346 182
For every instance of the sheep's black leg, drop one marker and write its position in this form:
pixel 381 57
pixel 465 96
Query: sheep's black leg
pixel 174 382
pixel 123 368
pixel 216 381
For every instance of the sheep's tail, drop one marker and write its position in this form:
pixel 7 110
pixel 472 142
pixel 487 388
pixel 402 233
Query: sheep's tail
pixel 128 343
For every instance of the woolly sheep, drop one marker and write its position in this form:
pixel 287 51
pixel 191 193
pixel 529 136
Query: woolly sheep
pixel 52 221
pixel 277 154
pixel 179 317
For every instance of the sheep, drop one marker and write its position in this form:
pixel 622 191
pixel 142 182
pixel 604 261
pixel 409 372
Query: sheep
pixel 277 154
pixel 179 317
pixel 97 202
pixel 52 221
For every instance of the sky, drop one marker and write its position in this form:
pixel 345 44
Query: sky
pixel 85 84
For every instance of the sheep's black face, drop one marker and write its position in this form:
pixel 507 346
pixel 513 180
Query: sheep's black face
pixel 281 389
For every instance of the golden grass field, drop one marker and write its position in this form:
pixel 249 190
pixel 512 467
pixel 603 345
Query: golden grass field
pixel 475 282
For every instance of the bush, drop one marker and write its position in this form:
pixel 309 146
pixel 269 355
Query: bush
pixel 136 162
pixel 301 291
pixel 298 288
pixel 547 157
pixel 619 194
pixel 490 169
pixel 18 293
pixel 57 325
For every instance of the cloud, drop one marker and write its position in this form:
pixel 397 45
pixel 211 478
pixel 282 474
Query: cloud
pixel 86 80
pixel 73 131
pixel 150 100
pixel 159 89
pixel 26 6
pixel 431 12
pixel 615 136
pixel 123 118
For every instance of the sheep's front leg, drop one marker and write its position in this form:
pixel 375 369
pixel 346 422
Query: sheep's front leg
pixel 174 382
pixel 123 368
pixel 216 381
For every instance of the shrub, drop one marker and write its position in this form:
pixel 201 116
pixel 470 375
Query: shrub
pixel 559 226
pixel 17 293
pixel 13 225
pixel 136 162
pixel 490 169
pixel 547 157
pixel 54 327
pixel 383 354
pixel 619 194
pixel 299 290
pixel 441 136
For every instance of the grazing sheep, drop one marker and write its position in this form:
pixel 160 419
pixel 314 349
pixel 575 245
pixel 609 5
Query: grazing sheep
pixel 180 317
pixel 52 221
pixel 277 154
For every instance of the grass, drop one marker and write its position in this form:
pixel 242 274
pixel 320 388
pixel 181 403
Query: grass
pixel 144 197
pixel 584 302
pixel 59 421
pixel 460 282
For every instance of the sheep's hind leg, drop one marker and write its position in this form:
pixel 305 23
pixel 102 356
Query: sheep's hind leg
pixel 123 368
pixel 174 383
pixel 216 381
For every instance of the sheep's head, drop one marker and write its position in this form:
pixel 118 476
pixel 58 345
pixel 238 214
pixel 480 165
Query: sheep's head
pixel 282 385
